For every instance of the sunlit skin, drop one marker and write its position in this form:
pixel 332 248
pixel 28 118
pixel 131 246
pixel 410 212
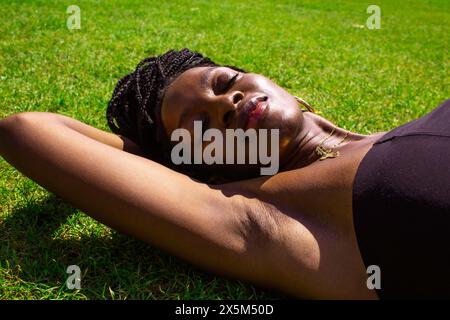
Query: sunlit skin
pixel 292 232
pixel 216 96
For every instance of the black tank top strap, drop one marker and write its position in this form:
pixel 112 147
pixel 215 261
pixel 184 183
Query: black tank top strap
pixel 437 123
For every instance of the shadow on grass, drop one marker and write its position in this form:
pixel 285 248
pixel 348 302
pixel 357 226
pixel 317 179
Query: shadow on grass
pixel 40 240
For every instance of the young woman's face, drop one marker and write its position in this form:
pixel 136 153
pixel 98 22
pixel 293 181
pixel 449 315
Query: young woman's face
pixel 223 98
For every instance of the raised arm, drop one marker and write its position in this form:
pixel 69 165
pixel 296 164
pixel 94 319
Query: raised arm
pixel 134 195
pixel 113 140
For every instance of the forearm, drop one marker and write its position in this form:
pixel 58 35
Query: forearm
pixel 70 159
pixel 113 140
pixel 116 141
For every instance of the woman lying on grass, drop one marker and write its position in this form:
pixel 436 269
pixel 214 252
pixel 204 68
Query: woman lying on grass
pixel 347 216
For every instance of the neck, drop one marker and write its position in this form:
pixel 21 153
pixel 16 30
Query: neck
pixel 314 131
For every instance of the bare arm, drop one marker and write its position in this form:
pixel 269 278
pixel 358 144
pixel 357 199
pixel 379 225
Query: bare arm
pixel 134 195
pixel 113 140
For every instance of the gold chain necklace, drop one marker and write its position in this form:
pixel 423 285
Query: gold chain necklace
pixel 325 153
pixel 321 151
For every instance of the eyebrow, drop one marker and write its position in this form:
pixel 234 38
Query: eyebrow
pixel 204 80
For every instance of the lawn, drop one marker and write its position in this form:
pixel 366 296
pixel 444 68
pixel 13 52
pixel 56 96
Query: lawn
pixel 363 80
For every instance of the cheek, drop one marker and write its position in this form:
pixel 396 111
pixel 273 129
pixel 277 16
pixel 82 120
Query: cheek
pixel 288 118
pixel 282 102
pixel 285 116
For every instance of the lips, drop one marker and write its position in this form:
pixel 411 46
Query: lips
pixel 252 111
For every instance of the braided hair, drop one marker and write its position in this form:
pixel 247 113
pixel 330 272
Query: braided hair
pixel 134 110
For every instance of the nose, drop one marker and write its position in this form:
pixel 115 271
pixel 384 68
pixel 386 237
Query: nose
pixel 228 107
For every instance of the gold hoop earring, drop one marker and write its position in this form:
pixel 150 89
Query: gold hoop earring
pixel 305 104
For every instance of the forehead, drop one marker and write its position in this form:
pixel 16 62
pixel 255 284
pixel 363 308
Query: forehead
pixel 180 94
pixel 184 85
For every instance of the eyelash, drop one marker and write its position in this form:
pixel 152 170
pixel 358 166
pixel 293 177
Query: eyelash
pixel 230 83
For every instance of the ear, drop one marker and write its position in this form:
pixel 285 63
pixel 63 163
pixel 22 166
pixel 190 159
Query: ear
pixel 304 103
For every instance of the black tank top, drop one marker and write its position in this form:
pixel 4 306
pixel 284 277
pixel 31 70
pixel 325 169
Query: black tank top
pixel 401 207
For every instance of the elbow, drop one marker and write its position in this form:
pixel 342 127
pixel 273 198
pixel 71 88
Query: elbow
pixel 17 128
pixel 9 123
pixel 13 127
pixel 9 131
pixel 21 120
pixel 13 121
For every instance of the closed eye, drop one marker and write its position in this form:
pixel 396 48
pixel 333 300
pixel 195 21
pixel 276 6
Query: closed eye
pixel 231 82
pixel 223 86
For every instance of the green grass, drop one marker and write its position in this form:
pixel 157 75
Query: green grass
pixel 363 80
